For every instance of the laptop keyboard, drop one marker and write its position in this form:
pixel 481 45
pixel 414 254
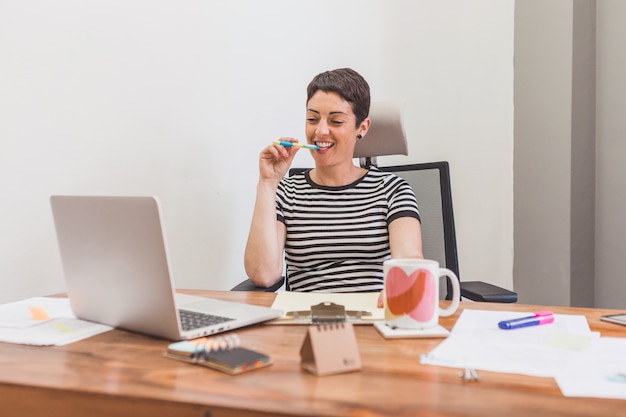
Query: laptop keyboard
pixel 190 320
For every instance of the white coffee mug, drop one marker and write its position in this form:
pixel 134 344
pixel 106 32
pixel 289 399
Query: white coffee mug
pixel 412 293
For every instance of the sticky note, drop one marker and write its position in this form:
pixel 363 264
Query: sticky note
pixel 571 341
pixel 63 327
pixel 38 313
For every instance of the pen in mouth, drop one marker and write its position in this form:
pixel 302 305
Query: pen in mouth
pixel 301 145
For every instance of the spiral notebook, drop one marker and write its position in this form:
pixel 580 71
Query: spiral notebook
pixel 221 353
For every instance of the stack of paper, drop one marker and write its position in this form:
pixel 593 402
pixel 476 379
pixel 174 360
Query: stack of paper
pixel 583 363
pixel 598 371
pixel 44 321
pixel 477 342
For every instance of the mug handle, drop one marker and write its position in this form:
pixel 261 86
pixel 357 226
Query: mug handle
pixel 456 292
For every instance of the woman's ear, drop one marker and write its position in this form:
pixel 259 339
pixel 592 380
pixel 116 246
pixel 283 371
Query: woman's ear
pixel 363 128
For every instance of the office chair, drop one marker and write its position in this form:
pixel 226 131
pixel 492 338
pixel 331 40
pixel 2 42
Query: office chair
pixel 431 184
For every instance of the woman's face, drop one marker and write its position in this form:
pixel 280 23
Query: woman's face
pixel 330 124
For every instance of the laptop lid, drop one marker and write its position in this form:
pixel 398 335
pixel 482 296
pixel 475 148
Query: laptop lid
pixel 116 268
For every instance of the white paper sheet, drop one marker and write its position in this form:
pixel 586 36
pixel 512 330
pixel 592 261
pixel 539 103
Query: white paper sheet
pixel 477 342
pixel 52 324
pixel 18 314
pixel 599 371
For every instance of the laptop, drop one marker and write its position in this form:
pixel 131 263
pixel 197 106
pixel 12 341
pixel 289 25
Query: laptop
pixel 115 262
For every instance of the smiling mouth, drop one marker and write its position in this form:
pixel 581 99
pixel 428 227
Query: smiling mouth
pixel 324 145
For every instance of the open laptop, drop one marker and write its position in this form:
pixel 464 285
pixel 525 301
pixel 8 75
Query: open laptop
pixel 117 272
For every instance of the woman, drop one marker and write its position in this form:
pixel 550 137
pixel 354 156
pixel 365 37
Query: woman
pixel 337 222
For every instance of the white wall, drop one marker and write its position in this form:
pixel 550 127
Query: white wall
pixel 176 98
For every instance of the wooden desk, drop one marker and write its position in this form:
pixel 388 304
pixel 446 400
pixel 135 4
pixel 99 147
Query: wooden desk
pixel 124 374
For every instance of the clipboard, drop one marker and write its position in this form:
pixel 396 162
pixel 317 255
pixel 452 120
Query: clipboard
pixel 298 307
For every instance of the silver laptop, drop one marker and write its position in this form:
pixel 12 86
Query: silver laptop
pixel 117 272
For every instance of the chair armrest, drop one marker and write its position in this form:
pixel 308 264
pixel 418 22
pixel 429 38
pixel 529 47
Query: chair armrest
pixel 482 291
pixel 248 285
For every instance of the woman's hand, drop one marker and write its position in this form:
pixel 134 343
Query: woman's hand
pixel 275 160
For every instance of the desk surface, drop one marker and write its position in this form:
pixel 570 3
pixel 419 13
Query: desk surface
pixel 121 373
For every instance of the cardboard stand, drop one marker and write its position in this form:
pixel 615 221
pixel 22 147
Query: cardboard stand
pixel 330 348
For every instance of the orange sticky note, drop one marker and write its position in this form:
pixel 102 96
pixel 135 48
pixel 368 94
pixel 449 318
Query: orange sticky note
pixel 38 313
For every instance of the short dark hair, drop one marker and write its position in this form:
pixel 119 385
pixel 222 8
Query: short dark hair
pixel 349 84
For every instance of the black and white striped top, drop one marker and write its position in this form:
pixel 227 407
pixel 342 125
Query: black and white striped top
pixel 337 237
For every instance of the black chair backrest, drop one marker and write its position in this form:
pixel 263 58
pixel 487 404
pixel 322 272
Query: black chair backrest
pixel 431 185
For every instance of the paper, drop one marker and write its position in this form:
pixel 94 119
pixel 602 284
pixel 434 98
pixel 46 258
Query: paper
pixel 599 371
pixel 44 321
pixel 477 342
pixel 33 311
pixel 289 301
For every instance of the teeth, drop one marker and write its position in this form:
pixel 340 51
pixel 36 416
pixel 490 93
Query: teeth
pixel 324 145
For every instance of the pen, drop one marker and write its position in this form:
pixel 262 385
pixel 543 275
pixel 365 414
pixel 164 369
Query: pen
pixel 302 145
pixel 541 317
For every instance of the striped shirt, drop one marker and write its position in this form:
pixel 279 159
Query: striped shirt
pixel 337 237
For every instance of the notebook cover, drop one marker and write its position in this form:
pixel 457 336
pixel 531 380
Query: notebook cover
pixel 232 361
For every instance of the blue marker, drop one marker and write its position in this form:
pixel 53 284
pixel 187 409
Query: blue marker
pixel 541 317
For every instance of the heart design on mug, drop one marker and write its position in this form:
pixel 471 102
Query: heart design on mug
pixel 412 295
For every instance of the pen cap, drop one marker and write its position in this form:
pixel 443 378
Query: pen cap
pixel 545 317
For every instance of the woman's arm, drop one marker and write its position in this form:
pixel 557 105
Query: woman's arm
pixel 263 258
pixel 405 238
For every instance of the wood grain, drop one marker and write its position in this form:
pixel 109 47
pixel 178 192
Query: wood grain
pixel 121 373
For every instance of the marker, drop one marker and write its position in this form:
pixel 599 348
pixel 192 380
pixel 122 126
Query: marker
pixel 541 317
pixel 302 145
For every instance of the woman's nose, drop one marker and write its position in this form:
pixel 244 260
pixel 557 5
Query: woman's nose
pixel 322 128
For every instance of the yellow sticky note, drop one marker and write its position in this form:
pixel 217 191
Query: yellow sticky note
pixel 63 327
pixel 38 313
pixel 569 341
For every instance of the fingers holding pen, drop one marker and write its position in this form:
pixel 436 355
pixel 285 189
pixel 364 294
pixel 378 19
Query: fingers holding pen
pixel 284 148
pixel 275 159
